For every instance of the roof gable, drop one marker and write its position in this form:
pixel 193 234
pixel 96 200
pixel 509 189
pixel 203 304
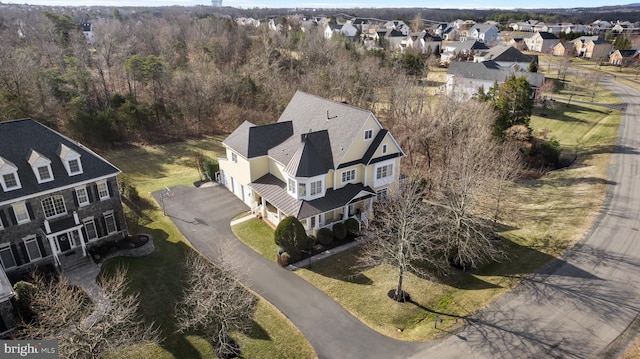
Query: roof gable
pixel 23 139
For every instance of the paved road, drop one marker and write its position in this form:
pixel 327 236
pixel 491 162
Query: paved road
pixel 580 304
pixel 203 216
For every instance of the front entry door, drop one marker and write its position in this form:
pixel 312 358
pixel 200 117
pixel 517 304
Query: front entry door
pixel 63 242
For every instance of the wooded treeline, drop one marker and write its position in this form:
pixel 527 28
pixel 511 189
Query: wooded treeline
pixel 144 78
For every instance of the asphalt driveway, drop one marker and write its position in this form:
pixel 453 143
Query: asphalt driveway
pixel 203 216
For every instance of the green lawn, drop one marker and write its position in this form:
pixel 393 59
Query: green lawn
pixel 159 277
pixel 257 235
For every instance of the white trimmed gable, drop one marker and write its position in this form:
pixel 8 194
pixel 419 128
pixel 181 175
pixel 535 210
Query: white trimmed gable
pixel 70 159
pixel 41 167
pixel 8 171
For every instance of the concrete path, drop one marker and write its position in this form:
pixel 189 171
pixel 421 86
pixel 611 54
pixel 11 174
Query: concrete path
pixel 203 216
pixel 85 277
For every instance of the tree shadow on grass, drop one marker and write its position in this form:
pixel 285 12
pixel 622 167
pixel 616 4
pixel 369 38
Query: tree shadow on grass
pixel 343 266
pixel 256 331
pixel 159 279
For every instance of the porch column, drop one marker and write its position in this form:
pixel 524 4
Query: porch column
pixel 263 208
pixel 345 212
pixel 370 204
pixel 317 217
pixel 278 213
pixel 84 246
pixel 52 245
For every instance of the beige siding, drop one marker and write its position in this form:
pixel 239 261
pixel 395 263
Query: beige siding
pixel 259 167
pixel 329 179
pixel 359 145
pixel 278 170
pixel 239 171
pixel 391 147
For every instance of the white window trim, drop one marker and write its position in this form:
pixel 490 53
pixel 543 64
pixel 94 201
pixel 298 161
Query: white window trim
pixel 30 239
pixel 350 178
pixel 26 210
pixel 67 166
pixel 115 225
pixel 15 176
pixel 53 203
pixel 92 221
pixel 8 247
pixel 36 170
pixel 369 130
pixel 102 198
pixel 383 181
pixel 86 192
pixel 234 157
pixel 292 185
pixel 380 192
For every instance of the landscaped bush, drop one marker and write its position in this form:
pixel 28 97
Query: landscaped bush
pixel 340 231
pixel 311 241
pixel 291 236
pixel 353 226
pixel 324 236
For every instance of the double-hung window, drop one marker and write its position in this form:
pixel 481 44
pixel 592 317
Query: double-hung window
pixel 6 257
pixel 82 196
pixel 103 191
pixel 33 250
pixel 316 188
pixel 110 222
pixel 348 176
pixel 21 213
pixel 384 171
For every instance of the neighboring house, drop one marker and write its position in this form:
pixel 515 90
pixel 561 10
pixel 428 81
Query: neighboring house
pixel 248 21
pixel 395 40
pixel 361 24
pixel 624 57
pixel 465 78
pixel 598 49
pixel 505 56
pixel 552 28
pixel 541 42
pixel 564 49
pixel 349 31
pixel 575 28
pixel 468 47
pixel 484 33
pixel 331 29
pixel 88 34
pixel 57 199
pixel 580 44
pixel 424 41
pixel 322 162
pixel 398 25
pixel 522 26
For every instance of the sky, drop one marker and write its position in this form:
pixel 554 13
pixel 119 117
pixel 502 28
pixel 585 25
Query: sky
pixel 451 4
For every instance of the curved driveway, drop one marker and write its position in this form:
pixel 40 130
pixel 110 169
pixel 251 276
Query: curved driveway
pixel 574 308
pixel 203 216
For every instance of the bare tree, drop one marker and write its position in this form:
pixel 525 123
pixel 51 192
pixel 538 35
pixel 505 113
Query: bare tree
pixel 60 311
pixel 214 305
pixel 401 236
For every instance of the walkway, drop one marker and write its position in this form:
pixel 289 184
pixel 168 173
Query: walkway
pixel 203 216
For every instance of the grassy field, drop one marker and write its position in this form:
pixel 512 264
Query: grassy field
pixel 257 235
pixel 159 277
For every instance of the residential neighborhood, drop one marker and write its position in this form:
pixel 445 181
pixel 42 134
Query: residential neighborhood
pixel 212 181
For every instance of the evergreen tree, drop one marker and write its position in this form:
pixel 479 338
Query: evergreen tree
pixel 513 104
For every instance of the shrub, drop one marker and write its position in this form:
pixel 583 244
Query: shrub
pixel 128 190
pixel 311 240
pixel 324 236
pixel 340 231
pixel 24 293
pixel 291 236
pixel 353 226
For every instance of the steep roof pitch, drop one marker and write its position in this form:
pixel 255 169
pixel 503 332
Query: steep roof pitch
pixel 252 141
pixel 585 39
pixel 309 114
pixel 547 35
pixel 19 138
pixel 313 157
pixel 469 45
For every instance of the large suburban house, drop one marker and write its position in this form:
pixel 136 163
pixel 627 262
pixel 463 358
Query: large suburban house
pixel 322 162
pixel 541 42
pixel 57 197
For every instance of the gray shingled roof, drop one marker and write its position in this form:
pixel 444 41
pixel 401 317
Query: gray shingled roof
pixel 19 137
pixel 251 141
pixel 585 39
pixel 311 114
pixel 506 53
pixel 275 192
pixel 468 45
pixel 306 162
pixel 489 71
pixel 547 35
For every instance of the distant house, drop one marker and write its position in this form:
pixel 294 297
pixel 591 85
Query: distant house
pixel 564 49
pixel 580 44
pixel 395 39
pixel 505 56
pixel 331 29
pixel 624 57
pixel 322 162
pixel 484 33
pixel 598 49
pixel 468 47
pixel 424 41
pixel 349 31
pixel 88 33
pixel 541 42
pixel 465 78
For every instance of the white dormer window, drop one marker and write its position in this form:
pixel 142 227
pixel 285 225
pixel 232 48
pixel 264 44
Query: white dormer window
pixel 41 167
pixel 316 188
pixel 368 134
pixel 9 176
pixel 70 159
